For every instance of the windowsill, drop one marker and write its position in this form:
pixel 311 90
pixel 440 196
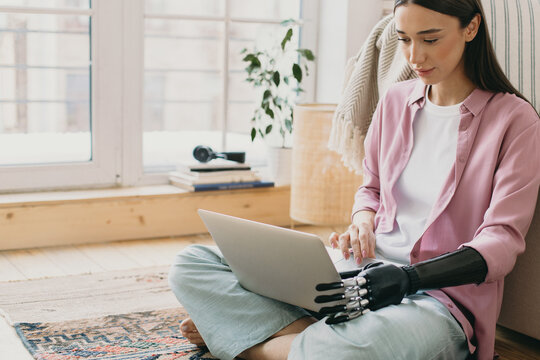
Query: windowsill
pixel 56 197
pixel 30 220
pixel 151 191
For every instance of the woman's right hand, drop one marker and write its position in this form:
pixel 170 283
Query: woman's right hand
pixel 359 237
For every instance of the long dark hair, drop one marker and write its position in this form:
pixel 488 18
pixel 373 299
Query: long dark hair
pixel 481 65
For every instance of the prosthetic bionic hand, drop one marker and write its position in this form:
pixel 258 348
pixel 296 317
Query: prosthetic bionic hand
pixel 378 285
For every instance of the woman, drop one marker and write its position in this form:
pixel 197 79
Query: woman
pixel 451 178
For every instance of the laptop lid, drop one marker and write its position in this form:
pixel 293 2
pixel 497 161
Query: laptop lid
pixel 279 263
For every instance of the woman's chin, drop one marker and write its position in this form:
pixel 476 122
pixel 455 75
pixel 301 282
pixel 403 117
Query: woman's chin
pixel 428 80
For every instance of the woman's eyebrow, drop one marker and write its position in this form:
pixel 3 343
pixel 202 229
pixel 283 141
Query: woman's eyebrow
pixel 423 32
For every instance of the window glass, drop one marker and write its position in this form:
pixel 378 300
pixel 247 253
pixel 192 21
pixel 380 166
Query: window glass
pixel 183 88
pixel 184 78
pixel 65 4
pixel 244 98
pixel 45 92
pixel 264 9
pixel 186 7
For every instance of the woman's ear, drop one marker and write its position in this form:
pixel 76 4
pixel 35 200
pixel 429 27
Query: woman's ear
pixel 472 29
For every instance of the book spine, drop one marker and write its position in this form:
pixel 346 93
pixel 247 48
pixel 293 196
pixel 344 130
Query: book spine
pixel 232 186
pixel 214 180
pixel 206 170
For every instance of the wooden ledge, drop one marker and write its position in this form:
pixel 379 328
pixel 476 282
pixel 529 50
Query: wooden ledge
pixel 76 217
pixel 58 197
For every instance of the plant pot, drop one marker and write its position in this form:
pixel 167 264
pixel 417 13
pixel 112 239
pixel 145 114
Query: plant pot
pixel 279 165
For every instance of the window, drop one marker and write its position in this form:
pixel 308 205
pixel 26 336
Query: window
pixel 102 93
pixel 45 94
pixel 48 99
pixel 195 91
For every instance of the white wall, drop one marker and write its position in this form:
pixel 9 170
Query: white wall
pixel 344 26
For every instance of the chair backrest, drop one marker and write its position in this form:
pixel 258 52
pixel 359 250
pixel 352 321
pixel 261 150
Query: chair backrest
pixel 514 27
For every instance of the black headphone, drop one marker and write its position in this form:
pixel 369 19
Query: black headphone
pixel 204 154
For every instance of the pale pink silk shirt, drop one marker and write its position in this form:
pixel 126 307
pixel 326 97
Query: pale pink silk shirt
pixel 486 202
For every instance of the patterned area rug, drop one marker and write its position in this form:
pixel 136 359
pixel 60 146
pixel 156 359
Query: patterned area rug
pixel 149 335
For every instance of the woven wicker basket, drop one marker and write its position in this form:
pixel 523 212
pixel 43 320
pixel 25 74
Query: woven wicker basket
pixel 322 188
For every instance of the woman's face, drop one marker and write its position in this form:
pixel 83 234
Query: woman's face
pixel 433 43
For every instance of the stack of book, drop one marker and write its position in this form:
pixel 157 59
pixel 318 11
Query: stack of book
pixel 217 174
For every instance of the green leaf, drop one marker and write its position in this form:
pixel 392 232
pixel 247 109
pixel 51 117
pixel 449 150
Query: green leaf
pixel 276 78
pixel 288 125
pixel 286 39
pixel 255 62
pixel 244 50
pixel 277 103
pixel 261 133
pixel 249 57
pixel 282 132
pixel 253 134
pixel 266 95
pixel 308 54
pixel 270 112
pixel 288 22
pixel 297 72
pixel 268 129
pixel 286 79
pixel 251 68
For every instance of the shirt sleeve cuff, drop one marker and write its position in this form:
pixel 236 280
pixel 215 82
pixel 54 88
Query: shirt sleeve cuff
pixel 499 252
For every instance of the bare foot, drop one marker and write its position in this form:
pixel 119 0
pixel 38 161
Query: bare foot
pixel 190 332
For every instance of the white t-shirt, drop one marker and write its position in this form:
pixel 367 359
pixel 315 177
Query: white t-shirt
pixel 435 130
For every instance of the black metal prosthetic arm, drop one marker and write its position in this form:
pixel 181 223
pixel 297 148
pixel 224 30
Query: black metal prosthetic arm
pixel 378 285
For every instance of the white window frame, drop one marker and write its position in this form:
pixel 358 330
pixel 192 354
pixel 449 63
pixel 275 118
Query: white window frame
pixel 106 95
pixel 117 98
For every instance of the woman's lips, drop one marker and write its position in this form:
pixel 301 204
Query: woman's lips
pixel 424 72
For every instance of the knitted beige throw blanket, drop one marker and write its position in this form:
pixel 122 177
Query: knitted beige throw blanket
pixel 377 66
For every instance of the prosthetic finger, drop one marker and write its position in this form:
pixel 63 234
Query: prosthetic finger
pixel 352 296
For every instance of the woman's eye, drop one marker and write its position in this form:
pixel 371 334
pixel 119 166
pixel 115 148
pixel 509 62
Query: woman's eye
pixel 431 41
pixel 403 39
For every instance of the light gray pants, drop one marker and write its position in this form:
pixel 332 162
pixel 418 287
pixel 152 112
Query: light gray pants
pixel 232 319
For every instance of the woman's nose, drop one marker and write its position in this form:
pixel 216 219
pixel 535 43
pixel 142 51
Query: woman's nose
pixel 416 54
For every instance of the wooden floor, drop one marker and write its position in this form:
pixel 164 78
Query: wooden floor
pixel 20 265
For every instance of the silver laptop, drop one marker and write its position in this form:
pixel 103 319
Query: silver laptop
pixel 279 263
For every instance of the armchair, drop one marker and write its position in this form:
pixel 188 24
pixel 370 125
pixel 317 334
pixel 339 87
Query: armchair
pixel 515 32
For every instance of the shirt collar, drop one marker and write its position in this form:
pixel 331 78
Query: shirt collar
pixel 474 103
pixel 418 93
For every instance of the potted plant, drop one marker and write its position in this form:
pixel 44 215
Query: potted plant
pixel 277 72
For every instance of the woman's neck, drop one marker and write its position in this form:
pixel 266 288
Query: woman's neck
pixel 451 91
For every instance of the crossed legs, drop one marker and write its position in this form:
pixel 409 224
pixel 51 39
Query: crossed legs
pixel 276 347
pixel 232 320
pixel 241 324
